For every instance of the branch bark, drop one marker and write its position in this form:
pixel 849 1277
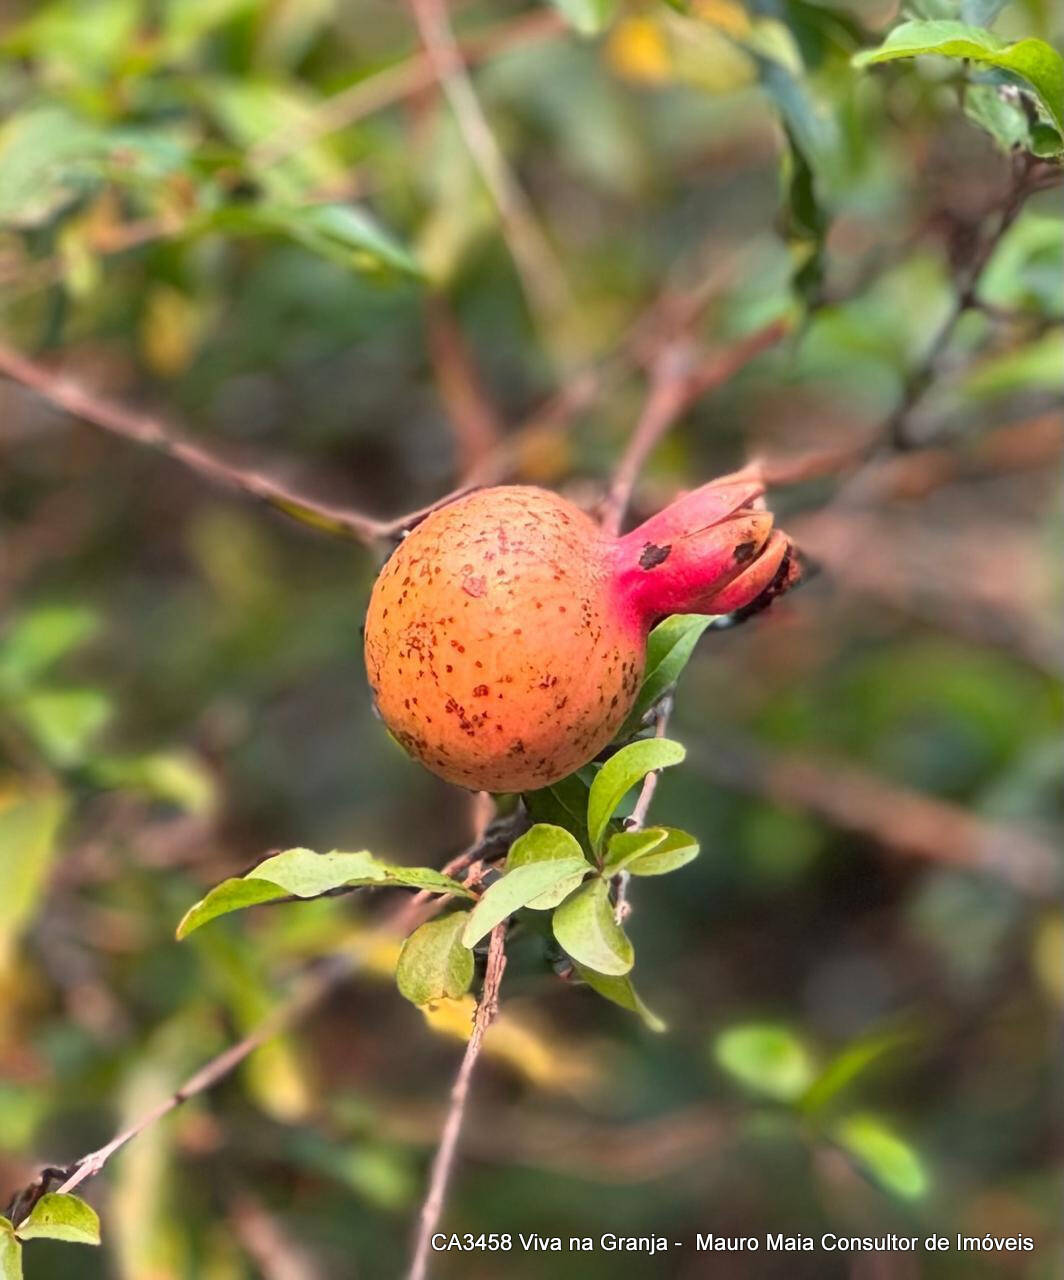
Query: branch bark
pixel 443 1162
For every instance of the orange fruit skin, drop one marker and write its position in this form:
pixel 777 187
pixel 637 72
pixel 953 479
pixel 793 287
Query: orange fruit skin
pixel 498 648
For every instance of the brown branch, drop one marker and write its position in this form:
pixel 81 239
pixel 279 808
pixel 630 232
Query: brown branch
pixel 474 420
pixel 621 906
pixel 1029 175
pixel 443 1162
pixel 541 276
pixel 897 818
pixel 276 1255
pixel 404 80
pixel 678 378
pixel 146 429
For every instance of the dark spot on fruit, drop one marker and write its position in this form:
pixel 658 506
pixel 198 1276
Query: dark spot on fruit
pixel 481 691
pixel 474 587
pixel 654 555
pixel 744 551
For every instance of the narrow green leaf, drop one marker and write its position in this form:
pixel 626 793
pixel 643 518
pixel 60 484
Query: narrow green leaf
pixel 28 827
pixel 585 927
pixel 588 17
pixel 61 1217
pixel 64 721
pixel 770 1059
pixel 40 638
pixel 669 649
pixel 1034 61
pixel 843 1069
pixel 10 1252
pixel 619 990
pixel 624 846
pixel 517 889
pixel 433 963
pixel 620 774
pixel 303 873
pixel 675 851
pixel 887 1158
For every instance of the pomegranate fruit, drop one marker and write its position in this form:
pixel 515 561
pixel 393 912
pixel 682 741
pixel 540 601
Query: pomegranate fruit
pixel 505 637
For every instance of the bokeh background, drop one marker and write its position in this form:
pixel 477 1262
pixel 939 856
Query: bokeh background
pixel 873 766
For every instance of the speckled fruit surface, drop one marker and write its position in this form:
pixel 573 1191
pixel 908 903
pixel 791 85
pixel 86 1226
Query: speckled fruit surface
pixel 505 637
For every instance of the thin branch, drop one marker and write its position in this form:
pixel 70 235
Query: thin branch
pixel 405 79
pixel 443 1162
pixel 146 429
pixel 1029 175
pixel 544 283
pixel 677 379
pixel 897 818
pixel 474 419
pixel 621 906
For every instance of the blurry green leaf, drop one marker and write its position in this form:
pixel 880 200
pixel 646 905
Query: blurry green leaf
pixel 519 888
pixel 888 1159
pixel 40 638
pixel 346 235
pixel 585 927
pixel 29 824
pixel 770 1059
pixel 620 774
pixel 588 17
pixel 676 850
pixel 303 873
pixel 545 843
pixel 843 1069
pixel 669 648
pixel 433 963
pixel 177 777
pixel 64 722
pixel 10 1253
pixel 61 1217
pixel 1002 117
pixel 619 990
pixel 76 38
pixel 626 845
pixel 979 13
pixel 1036 62
pixel 1027 368
pixel 47 155
pixel 186 22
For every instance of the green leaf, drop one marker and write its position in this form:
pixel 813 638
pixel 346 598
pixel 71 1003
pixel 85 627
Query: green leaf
pixel 619 990
pixel 64 722
pixel 176 777
pixel 348 236
pixel 40 638
pixel 1034 61
pixel 847 1066
pixel 61 1217
pixel 302 873
pixel 676 850
pixel 620 774
pixel 585 927
pixel 546 843
pixel 1003 118
pixel 624 846
pixel 669 649
pixel 770 1059
pixel 433 963
pixel 588 17
pixel 29 824
pixel 563 805
pixel 518 888
pixel 10 1252
pixel 888 1159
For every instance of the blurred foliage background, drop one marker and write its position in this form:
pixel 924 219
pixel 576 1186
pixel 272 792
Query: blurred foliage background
pixel 260 218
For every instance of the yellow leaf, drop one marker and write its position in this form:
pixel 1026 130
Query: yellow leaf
pixel 1048 955
pixel 170 330
pixel 724 14
pixel 637 49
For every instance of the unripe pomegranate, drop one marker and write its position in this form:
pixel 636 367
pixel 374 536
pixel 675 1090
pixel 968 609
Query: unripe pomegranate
pixel 505 637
